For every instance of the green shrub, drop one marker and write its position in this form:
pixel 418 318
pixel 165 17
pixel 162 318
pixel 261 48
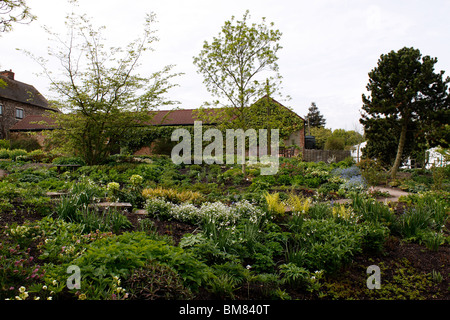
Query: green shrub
pixel 36 156
pixel 372 210
pixel 28 144
pixel 16 153
pixel 5 144
pixel 159 208
pixel 156 281
pixel 18 267
pixel 299 277
pixel 69 161
pixel 30 178
pixel 4 153
pixel 413 221
pixel 121 255
pixel 320 211
pixel 41 205
pixel 9 191
pixel 326 245
pixel 427 212
pixel 284 180
pixel 372 171
pixel 374 237
pixel 173 195
pixel 432 240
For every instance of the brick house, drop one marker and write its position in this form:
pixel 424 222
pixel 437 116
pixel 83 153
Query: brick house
pixel 186 117
pixel 171 118
pixel 18 100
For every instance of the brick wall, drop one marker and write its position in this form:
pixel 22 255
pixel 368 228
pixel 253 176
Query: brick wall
pixel 8 117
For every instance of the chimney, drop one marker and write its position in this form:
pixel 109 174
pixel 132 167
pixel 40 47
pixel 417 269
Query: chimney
pixel 9 74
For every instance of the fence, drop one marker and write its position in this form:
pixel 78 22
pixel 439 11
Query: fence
pixel 312 155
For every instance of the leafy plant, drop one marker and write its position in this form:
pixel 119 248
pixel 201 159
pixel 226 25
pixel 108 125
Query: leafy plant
pixel 327 245
pixel 299 204
pixel 413 221
pixel 156 281
pixel 173 195
pixel 372 210
pixel 300 277
pixel 120 255
pixel 159 208
pixel 374 237
pixel 433 240
pixel 274 205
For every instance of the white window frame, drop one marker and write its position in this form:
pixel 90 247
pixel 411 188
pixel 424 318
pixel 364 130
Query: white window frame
pixel 22 113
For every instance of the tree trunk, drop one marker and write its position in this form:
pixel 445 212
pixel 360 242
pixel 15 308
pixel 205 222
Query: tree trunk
pixel 244 171
pixel 401 145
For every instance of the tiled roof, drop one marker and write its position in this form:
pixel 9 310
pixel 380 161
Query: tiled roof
pixel 34 123
pixel 175 117
pixel 22 92
pixel 178 117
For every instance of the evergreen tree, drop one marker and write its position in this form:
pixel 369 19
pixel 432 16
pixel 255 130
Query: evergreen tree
pixel 314 119
pixel 405 93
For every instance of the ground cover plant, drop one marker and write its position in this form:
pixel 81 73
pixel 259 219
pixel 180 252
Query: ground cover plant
pixel 210 233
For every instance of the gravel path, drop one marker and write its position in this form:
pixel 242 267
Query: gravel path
pixel 394 195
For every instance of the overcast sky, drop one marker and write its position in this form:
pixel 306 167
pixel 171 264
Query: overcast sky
pixel 329 46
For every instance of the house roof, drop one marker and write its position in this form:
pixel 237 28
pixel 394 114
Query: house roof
pixel 22 92
pixel 34 123
pixel 178 117
pixel 163 118
pixel 187 116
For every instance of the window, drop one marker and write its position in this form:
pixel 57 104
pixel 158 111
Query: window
pixel 1 109
pixel 19 113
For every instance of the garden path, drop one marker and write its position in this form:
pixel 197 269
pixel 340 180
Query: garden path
pixel 395 194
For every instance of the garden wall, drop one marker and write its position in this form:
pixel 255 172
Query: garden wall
pixel 312 155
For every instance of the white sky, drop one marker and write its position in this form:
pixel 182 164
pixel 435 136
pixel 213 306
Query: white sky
pixel 329 46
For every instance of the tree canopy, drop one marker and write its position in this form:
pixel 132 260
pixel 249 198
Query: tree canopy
pixel 100 88
pixel 14 11
pixel 239 66
pixel 405 93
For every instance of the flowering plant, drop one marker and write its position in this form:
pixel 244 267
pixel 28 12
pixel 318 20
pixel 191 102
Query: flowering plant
pixel 136 179
pixel 113 186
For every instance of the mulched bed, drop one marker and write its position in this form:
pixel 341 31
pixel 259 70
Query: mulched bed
pixel 422 260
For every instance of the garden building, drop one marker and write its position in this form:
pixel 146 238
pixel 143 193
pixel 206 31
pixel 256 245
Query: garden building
pixel 18 100
pixel 292 132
